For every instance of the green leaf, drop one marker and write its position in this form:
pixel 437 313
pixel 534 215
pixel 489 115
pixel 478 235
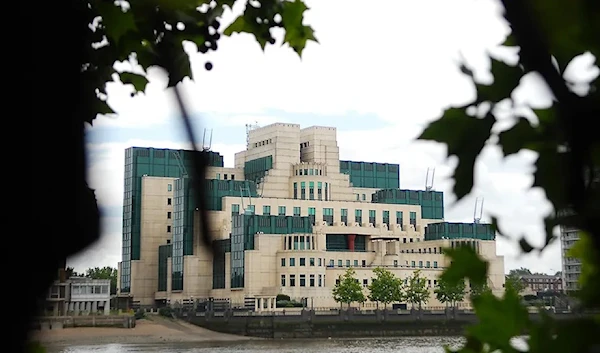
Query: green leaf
pixel 116 22
pixel 525 246
pixel 465 137
pixel 518 137
pixel 245 24
pixel 506 79
pixel 465 264
pixel 499 320
pixel 296 33
pixel 570 27
pixel 139 82
pixel 549 176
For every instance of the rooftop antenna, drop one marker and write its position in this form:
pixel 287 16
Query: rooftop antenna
pixel 428 179
pixel 182 169
pixel 250 127
pixel 478 212
pixel 206 147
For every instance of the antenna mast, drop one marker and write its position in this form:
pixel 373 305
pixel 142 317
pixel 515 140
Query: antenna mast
pixel 478 212
pixel 250 127
pixel 207 147
pixel 428 179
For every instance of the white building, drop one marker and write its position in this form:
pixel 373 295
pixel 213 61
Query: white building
pixel 313 216
pixel 78 296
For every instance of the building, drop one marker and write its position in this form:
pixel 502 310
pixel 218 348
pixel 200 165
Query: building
pixel 540 282
pixel 78 296
pixel 571 267
pixel 289 218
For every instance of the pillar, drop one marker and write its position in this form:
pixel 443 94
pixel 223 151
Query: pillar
pixel 94 306
pixel 256 300
pixel 107 307
pixel 76 308
pixel 351 238
pixel 65 308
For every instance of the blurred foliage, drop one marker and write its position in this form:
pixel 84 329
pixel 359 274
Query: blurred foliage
pixel 151 34
pixel 567 168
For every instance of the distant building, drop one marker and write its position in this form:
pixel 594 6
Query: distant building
pixel 571 267
pixel 289 218
pixel 539 282
pixel 78 296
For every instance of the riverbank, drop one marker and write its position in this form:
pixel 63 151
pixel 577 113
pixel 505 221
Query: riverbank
pixel 153 330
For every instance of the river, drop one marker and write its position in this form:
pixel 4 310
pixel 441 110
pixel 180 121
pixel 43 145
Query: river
pixel 370 345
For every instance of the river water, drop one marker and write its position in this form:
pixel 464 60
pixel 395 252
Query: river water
pixel 369 345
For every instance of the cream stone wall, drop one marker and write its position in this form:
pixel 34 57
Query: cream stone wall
pixel 222 173
pixel 154 229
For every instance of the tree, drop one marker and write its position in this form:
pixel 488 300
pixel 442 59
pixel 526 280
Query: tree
pixel 70 272
pixel 519 271
pixel 106 272
pixel 450 293
pixel 514 282
pixel 416 290
pixel 385 287
pixel 347 290
pixel 478 289
pixel 567 166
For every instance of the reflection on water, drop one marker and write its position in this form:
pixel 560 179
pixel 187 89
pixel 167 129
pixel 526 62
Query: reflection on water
pixel 396 345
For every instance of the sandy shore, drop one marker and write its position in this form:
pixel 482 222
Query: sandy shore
pixel 155 329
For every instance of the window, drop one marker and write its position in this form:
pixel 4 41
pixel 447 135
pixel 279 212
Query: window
pixel 344 213
pixel 386 217
pixel 252 208
pixel 292 261
pixel 169 187
pixel 319 190
pixel 311 211
pixel 331 263
pixel 320 261
pixel 328 216
pixel 395 263
pixel 232 176
pixel 364 263
pixel 412 264
pixel 420 264
pixel 303 190
pixel 296 211
pixel 355 263
pixel 435 264
pixel 281 210
pixel 292 280
pixel 320 280
pixel 347 263
pixel 266 210
pixel 372 216
pixel 296 189
pixel 225 176
pixel 283 280
pixel 169 201
pixel 413 218
pixel 399 217
pixel 364 197
pixel 311 190
pixel 312 280
pixel 302 280
pixel 358 216
pixel 218 176
pixel 311 261
pixel 283 262
pixel 340 263
pixel 235 209
pixel 427 264
pixel 168 229
pixel 169 215
pixel 302 261
pixel 365 283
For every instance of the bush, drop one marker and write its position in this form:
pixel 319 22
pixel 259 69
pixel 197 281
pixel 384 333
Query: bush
pixel 140 314
pixel 282 297
pixel 166 311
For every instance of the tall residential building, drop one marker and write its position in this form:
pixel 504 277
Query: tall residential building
pixel 289 218
pixel 571 267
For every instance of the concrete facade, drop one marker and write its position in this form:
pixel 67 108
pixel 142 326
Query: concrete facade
pixel 571 267
pixel 79 296
pixel 303 181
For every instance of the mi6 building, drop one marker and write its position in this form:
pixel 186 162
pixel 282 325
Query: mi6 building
pixel 289 218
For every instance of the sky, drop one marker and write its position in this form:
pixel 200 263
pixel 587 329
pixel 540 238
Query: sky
pixel 379 74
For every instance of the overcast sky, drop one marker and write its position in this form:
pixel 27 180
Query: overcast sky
pixel 379 74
